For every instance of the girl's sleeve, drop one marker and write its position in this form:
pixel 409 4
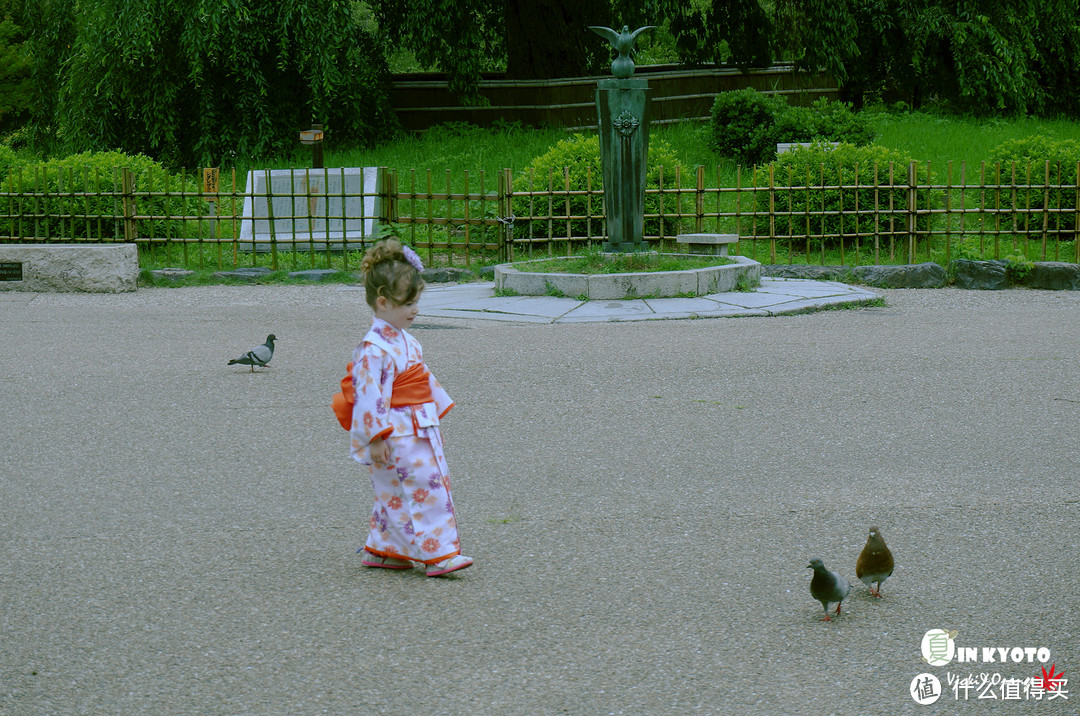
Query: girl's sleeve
pixel 443 403
pixel 373 378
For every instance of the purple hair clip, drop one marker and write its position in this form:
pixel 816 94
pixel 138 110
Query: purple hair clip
pixel 413 259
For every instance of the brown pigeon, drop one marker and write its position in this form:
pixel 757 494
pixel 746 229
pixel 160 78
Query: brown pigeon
pixel 827 586
pixel 875 562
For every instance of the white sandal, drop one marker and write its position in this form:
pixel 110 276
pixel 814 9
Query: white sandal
pixel 374 560
pixel 447 566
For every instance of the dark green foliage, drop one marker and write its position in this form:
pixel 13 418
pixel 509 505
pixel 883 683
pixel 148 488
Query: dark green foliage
pixel 818 34
pixel 744 125
pixel 9 161
pixel 836 122
pixel 704 30
pixel 747 125
pixel 195 83
pixel 528 39
pixel 845 165
pixel 1039 160
pixel 550 39
pixel 15 67
pixel 580 157
pixel 981 56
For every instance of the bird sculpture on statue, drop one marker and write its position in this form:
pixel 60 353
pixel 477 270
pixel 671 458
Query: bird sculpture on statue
pixel 827 586
pixel 257 356
pixel 623 42
pixel 875 562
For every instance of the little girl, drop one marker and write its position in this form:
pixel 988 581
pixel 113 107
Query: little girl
pixel 393 421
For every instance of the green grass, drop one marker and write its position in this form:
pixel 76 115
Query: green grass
pixel 457 148
pixel 944 139
pixel 447 152
pixel 596 262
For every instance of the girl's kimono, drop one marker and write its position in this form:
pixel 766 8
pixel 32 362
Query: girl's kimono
pixel 397 399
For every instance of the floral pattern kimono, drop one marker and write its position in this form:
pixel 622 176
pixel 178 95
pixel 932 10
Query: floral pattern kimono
pixel 397 399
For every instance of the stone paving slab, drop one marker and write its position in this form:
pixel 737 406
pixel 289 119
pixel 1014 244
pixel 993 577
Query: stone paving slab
pixel 802 287
pixel 774 297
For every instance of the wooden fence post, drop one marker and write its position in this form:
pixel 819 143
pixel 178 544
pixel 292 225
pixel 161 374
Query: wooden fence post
pixel 699 200
pixel 127 193
pixel 912 206
pixel 505 212
pixel 387 205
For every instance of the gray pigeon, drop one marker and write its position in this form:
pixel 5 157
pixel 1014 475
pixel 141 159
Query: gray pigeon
pixel 827 586
pixel 258 356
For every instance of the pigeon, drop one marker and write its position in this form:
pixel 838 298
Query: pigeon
pixel 257 356
pixel 827 586
pixel 875 562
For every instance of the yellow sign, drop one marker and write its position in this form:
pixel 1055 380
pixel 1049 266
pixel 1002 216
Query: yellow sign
pixel 210 182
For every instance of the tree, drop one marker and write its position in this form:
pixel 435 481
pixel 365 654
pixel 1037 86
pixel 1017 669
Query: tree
pixel 985 56
pixel 701 31
pixel 818 34
pixel 460 37
pixel 15 67
pixel 548 39
pixel 195 82
pixel 551 39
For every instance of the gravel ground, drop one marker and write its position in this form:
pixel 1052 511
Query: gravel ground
pixel 642 500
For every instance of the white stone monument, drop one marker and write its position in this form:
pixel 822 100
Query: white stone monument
pixel 311 208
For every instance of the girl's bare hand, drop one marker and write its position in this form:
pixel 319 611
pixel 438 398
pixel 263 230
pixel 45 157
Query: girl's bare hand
pixel 380 453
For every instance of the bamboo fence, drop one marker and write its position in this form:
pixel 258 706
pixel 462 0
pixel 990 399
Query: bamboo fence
pixel 879 214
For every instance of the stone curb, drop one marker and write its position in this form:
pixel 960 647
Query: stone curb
pixel 961 273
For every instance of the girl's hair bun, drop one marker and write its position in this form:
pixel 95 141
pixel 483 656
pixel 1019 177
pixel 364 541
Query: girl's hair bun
pixel 389 273
pixel 385 250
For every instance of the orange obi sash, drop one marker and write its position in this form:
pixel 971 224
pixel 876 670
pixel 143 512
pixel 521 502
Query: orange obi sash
pixel 411 387
pixel 343 401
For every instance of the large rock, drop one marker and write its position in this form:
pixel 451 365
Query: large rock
pixel 448 274
pixel 1054 275
pixel 94 268
pixel 172 273
pixel 244 273
pixel 980 275
pixel 925 275
pixel 314 274
pixel 814 273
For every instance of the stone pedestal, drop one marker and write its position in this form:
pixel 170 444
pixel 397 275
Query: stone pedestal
pixel 623 109
pixel 707 244
pixel 94 268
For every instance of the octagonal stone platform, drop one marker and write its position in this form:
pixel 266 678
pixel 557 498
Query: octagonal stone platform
pixel 646 284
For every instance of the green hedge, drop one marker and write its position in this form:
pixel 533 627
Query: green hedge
pixel 66 199
pixel 799 172
pixel 747 125
pixel 1032 155
pixel 580 155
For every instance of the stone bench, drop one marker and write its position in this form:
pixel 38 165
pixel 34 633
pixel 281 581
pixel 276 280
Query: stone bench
pixel 708 244
pixel 94 268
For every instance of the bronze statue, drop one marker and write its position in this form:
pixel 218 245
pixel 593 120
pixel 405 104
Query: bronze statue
pixel 622 106
pixel 623 42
